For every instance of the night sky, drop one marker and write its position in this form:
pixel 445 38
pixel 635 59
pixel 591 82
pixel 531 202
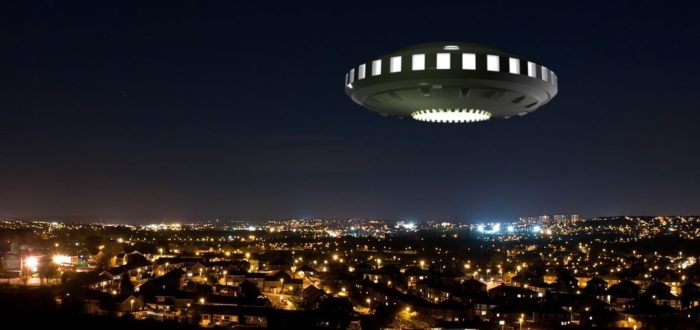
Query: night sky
pixel 185 110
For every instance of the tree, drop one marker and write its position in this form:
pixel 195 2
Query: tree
pixel 125 286
pixel 46 269
pixel 249 290
pixel 103 260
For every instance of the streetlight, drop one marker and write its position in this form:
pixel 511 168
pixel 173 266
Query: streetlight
pixel 369 302
pixel 201 301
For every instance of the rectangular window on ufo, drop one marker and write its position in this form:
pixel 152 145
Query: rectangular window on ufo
pixel 468 61
pixel 531 71
pixel 395 64
pixel 514 65
pixel 443 61
pixel 492 63
pixel 361 72
pixel 418 62
pixel 376 67
pixel 545 76
pixel 352 75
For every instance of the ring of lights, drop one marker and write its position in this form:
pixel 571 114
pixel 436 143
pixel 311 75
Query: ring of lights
pixel 451 115
pixel 451 83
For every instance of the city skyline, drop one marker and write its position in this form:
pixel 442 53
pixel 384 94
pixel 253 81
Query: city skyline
pixel 154 111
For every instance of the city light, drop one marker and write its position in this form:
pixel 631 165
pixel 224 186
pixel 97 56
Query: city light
pixel 32 263
pixel 61 259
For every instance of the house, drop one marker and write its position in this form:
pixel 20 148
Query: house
pixel 281 282
pixel 168 305
pixel 474 286
pixel 127 303
pixel 690 295
pixel 312 297
pixel 173 280
pixel 530 280
pixel 529 314
pixel 433 290
pixel 596 286
pixel 256 278
pixel 280 264
pixel 621 294
pixel 504 294
pixel 413 275
pixel 660 294
pixel 450 310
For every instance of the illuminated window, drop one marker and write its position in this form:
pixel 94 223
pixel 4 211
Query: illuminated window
pixel 376 67
pixel 492 63
pixel 443 61
pixel 531 69
pixel 545 76
pixel 346 78
pixel 418 62
pixel 352 75
pixel 361 72
pixel 514 65
pixel 468 62
pixel 395 64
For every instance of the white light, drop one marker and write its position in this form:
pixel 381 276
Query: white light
pixel 418 62
pixel 451 115
pixel 536 229
pixel 511 229
pixel 61 259
pixel 32 263
pixel 251 228
pixel 451 47
pixel 492 63
pixel 352 76
pixel 468 61
pixel 531 69
pixel 376 67
pixel 514 65
pixel 480 228
pixel 361 72
pixel 443 61
pixel 545 77
pixel 395 64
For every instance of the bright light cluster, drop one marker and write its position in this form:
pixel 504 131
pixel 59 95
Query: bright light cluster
pixel 32 263
pixel 451 115
pixel 489 229
pixel 61 259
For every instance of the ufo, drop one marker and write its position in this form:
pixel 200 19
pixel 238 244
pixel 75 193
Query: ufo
pixel 451 82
